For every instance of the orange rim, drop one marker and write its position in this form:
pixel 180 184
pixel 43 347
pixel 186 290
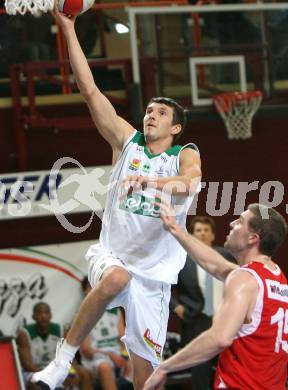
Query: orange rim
pixel 224 101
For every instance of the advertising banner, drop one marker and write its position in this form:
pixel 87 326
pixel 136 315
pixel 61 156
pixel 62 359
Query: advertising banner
pixel 51 273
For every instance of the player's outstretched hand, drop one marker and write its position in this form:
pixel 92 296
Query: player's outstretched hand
pixel 168 216
pixel 156 380
pixel 136 183
pixel 65 21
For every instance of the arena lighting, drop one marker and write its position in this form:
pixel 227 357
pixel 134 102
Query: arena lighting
pixel 121 28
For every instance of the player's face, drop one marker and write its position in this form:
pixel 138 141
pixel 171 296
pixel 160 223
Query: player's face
pixel 204 233
pixel 239 238
pixel 42 316
pixel 158 122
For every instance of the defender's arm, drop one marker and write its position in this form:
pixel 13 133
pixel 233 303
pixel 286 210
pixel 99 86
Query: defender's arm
pixel 241 293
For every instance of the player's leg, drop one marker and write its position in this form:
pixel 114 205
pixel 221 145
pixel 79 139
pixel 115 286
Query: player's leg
pixel 111 284
pixel 141 369
pixel 147 312
pixel 113 280
pixel 106 376
pixel 84 378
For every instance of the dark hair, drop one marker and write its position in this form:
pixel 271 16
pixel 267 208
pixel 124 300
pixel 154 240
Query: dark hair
pixel 202 219
pixel 179 114
pixel 269 225
pixel 85 283
pixel 38 304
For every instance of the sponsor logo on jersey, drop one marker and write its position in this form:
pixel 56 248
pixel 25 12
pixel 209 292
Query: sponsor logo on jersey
pixel 135 164
pixel 152 344
pixel 277 290
pixel 146 167
pixel 160 171
pixel 164 158
pixel 141 205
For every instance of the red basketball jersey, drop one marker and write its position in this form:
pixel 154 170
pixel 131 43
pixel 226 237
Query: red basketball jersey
pixel 258 357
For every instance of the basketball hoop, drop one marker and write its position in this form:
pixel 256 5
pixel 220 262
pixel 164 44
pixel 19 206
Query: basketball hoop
pixel 237 110
pixel 14 7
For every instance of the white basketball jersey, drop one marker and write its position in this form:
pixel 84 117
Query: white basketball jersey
pixel 132 229
pixel 43 348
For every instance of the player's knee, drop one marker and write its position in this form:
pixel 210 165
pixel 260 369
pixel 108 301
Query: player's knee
pixel 105 370
pixel 114 280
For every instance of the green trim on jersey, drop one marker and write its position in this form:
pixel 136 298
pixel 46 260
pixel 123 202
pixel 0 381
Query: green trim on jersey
pixel 190 146
pixel 54 329
pixel 173 151
pixel 113 311
pixel 140 140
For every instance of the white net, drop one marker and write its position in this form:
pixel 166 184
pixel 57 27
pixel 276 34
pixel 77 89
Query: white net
pixel 14 7
pixel 237 110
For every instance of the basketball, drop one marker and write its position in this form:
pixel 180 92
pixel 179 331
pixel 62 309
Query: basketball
pixel 74 7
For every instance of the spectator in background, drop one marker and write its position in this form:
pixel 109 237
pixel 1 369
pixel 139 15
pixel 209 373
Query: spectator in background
pixel 102 351
pixel 203 228
pixel 37 345
pixel 196 297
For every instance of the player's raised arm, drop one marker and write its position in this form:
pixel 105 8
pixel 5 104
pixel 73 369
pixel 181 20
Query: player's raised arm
pixel 112 127
pixel 204 255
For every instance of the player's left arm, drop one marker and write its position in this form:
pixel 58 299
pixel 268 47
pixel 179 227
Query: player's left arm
pixel 25 354
pixel 189 175
pixel 184 184
pixel 240 292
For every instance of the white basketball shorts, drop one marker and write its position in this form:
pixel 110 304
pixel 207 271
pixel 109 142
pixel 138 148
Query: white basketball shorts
pixel 146 305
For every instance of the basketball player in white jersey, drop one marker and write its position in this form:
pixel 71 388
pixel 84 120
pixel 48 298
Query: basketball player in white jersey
pixel 136 260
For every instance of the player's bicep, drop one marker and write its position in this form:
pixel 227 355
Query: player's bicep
pixel 240 294
pixel 190 163
pixel 22 340
pixel 190 168
pixel 24 348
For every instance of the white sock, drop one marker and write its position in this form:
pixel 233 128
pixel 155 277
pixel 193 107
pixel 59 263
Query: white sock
pixel 67 353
